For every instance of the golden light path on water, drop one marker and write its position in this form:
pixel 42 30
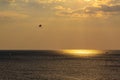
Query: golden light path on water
pixel 83 52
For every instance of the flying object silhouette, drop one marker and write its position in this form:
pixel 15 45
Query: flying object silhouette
pixel 40 25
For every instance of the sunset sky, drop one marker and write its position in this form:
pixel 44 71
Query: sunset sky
pixel 67 24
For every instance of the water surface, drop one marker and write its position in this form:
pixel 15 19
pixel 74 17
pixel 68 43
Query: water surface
pixel 41 66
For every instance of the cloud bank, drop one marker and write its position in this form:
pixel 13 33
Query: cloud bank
pixel 76 8
pixel 96 8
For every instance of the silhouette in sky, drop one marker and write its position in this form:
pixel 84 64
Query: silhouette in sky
pixel 40 25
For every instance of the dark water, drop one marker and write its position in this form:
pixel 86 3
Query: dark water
pixel 37 67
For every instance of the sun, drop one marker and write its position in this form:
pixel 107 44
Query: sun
pixel 82 52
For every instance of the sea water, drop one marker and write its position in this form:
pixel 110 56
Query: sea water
pixel 105 67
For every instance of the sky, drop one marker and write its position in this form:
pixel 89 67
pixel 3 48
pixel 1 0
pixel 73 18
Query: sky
pixel 66 24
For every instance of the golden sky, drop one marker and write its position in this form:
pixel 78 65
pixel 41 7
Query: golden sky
pixel 67 24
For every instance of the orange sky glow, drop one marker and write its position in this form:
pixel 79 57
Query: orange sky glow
pixel 67 24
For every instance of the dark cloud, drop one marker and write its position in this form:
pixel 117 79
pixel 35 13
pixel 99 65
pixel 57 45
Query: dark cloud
pixel 105 8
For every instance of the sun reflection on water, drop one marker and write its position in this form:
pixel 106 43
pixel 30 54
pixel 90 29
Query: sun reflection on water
pixel 83 52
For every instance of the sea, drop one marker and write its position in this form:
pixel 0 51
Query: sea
pixel 52 65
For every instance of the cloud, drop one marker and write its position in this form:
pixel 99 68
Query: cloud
pixel 102 10
pixel 114 8
pixel 75 8
pixel 96 8
pixel 29 4
pixel 12 15
pixel 49 1
pixel 37 1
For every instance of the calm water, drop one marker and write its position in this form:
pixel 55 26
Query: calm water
pixel 20 67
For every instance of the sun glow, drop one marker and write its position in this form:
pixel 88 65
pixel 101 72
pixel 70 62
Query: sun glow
pixel 82 53
pixel 87 0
